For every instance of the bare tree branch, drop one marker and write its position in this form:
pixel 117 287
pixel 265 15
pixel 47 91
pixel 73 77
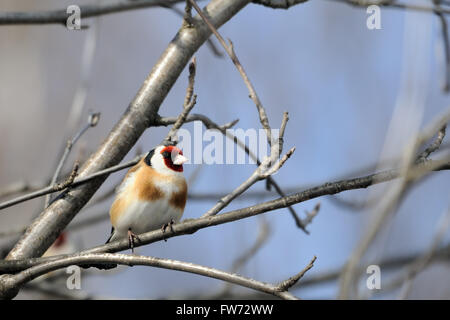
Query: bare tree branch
pixel 230 51
pixel 92 122
pixel 138 117
pixel 190 226
pixel 445 44
pixel 14 281
pixel 264 170
pixel 20 187
pixel 87 11
pixel 187 19
pixel 285 285
pixel 434 146
pixel 189 102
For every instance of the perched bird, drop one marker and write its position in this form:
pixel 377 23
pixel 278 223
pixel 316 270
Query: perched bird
pixel 152 195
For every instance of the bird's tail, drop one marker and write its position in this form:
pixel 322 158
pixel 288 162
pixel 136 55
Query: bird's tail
pixel 110 236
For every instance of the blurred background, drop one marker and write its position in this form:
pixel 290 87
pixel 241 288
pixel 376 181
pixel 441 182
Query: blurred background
pixel 355 97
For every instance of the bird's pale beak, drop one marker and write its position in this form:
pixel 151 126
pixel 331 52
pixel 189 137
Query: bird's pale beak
pixel 179 159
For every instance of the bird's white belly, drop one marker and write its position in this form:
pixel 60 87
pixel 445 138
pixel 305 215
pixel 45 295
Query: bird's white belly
pixel 143 216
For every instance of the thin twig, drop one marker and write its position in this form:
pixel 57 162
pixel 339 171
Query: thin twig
pixel 20 187
pixel 241 260
pixel 423 261
pixel 285 285
pixel 230 51
pixel 446 46
pixel 87 11
pixel 278 165
pixel 69 181
pixel 187 19
pixel 181 13
pixel 86 67
pixel 267 167
pixel 434 146
pixel 263 235
pixel 93 119
pixel 309 217
pixel 190 100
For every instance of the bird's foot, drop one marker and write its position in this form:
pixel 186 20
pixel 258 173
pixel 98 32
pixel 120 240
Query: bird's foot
pixel 132 240
pixel 167 225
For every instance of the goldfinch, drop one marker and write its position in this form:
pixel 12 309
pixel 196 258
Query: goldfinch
pixel 152 195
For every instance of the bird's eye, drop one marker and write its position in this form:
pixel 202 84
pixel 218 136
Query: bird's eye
pixel 166 154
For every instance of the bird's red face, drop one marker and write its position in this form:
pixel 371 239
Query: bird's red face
pixel 173 158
